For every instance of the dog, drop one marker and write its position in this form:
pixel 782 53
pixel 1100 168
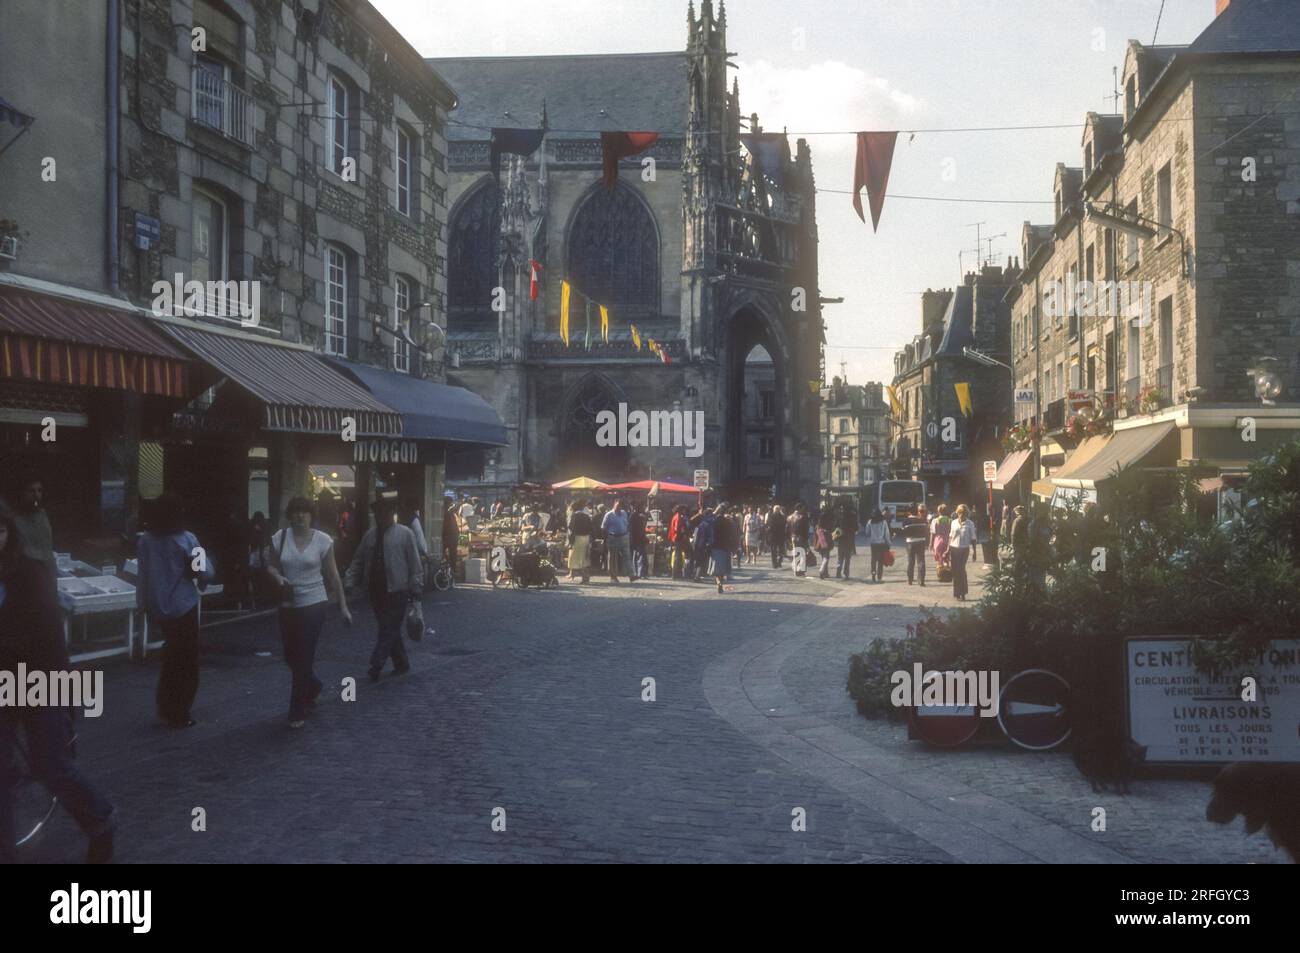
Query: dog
pixel 1266 794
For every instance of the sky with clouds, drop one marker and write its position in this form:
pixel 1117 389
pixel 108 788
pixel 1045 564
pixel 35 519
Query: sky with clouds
pixel 816 66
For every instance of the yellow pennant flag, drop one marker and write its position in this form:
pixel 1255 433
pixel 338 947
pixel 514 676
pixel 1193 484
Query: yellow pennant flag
pixel 636 337
pixel 963 397
pixel 894 406
pixel 564 312
pixel 604 323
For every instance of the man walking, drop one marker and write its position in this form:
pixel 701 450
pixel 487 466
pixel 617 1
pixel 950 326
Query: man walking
pixel 799 539
pixel 637 541
pixel 916 533
pixel 389 562
pixel 617 551
pixel 776 535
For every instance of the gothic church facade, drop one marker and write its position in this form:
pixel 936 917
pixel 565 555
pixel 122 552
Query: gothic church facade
pixel 702 248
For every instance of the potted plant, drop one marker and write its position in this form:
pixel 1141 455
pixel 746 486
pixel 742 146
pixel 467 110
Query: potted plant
pixel 1149 400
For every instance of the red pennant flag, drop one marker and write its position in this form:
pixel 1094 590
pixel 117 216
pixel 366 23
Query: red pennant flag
pixel 534 267
pixel 619 145
pixel 875 155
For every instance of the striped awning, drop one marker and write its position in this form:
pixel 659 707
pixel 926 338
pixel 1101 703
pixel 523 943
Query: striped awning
pixel 299 392
pixel 57 340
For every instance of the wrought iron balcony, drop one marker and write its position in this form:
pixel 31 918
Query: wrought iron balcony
pixel 223 106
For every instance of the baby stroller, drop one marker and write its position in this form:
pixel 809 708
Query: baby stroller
pixel 528 568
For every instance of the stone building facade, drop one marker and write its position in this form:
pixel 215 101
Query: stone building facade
pixel 855 436
pixel 696 246
pixel 940 441
pixel 1181 227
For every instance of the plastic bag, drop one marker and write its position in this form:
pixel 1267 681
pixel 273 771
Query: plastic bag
pixel 415 621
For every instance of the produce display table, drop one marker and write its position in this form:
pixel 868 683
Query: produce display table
pixel 96 595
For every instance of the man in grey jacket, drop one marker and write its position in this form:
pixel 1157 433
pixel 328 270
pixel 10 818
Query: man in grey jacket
pixel 388 564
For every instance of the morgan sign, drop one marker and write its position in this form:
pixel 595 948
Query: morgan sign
pixel 379 450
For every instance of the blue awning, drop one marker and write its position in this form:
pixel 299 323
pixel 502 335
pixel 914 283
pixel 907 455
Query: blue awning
pixel 430 411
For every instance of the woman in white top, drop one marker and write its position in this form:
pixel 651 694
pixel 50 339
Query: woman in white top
pixel 301 561
pixel 960 540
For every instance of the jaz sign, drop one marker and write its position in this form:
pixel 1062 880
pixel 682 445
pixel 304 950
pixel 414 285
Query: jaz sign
pixel 378 450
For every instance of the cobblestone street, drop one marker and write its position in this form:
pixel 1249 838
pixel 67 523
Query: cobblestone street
pixel 532 702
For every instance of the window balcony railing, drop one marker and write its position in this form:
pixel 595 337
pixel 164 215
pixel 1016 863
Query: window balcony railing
pixel 1165 384
pixel 223 106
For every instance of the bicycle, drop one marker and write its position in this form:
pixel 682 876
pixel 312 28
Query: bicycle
pixel 444 577
pixel 33 804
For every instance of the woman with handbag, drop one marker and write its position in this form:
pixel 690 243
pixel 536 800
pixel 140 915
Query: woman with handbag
pixel 301 563
pixel 878 538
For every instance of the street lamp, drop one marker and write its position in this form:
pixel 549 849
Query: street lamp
pixel 979 357
pixel 1134 226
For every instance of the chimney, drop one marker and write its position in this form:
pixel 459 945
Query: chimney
pixel 1220 6
pixel 933 306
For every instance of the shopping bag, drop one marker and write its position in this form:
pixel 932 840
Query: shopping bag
pixel 888 558
pixel 415 621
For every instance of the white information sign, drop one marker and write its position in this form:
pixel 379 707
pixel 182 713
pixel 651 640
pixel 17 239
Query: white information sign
pixel 701 479
pixel 1024 395
pixel 990 471
pixel 1182 715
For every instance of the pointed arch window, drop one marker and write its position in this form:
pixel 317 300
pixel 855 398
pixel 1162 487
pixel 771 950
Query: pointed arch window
pixel 614 254
pixel 472 260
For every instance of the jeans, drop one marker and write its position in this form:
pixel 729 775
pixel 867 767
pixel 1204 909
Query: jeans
pixel 825 556
pixel 638 562
pixel 842 567
pixel 619 556
pixel 959 556
pixel 878 551
pixel 778 553
pixel 178 678
pixel 389 613
pixel 916 560
pixel 299 633
pixel 48 736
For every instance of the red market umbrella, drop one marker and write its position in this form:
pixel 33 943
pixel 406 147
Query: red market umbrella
pixel 658 485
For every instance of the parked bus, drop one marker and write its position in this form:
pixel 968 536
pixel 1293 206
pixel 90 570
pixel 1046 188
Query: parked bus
pixel 895 498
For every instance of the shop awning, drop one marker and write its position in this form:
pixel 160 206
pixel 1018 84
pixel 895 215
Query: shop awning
pixel 1044 488
pixel 430 411
pixel 57 340
pixel 299 392
pixel 1155 444
pixel 1010 468
pixel 1084 452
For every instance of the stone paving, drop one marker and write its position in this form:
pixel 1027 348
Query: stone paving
pixel 531 702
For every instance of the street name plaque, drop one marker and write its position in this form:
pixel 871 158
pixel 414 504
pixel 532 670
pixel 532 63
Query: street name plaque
pixel 1184 716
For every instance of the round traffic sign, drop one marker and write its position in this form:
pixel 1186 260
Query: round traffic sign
pixel 945 726
pixel 1034 709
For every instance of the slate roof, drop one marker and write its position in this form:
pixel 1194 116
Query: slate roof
pixel 639 92
pixel 1252 26
pixel 957 323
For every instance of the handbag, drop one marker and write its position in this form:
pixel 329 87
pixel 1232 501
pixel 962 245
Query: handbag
pixel 415 621
pixel 888 557
pixel 268 589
